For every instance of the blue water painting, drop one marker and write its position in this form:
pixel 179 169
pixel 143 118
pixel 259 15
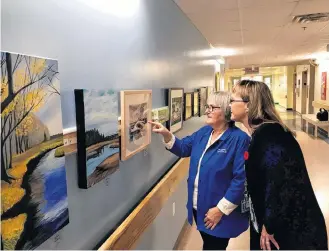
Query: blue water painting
pixel 97 110
pixel 106 152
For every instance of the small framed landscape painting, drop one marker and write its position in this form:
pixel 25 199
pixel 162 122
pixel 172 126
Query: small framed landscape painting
pixel 195 103
pixel 188 105
pixel 209 91
pixel 136 111
pixel 202 100
pixel 175 103
pixel 97 135
pixel 160 115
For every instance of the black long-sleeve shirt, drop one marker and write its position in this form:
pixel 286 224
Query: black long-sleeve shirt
pixel 281 191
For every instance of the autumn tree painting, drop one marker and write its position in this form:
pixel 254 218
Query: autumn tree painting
pixel 33 179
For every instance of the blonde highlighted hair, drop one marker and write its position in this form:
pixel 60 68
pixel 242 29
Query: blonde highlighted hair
pixel 260 103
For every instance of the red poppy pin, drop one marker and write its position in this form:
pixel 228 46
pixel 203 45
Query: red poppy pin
pixel 246 155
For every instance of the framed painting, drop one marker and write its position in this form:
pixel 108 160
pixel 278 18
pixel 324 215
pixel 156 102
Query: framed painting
pixel 209 91
pixel 217 81
pixel 34 204
pixel 188 105
pixel 323 86
pixel 97 135
pixel 136 108
pixel 202 100
pixel 160 115
pixel 195 103
pixel 175 103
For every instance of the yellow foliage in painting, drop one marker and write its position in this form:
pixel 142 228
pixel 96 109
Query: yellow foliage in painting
pixel 38 65
pixel 10 196
pixel 4 87
pixel 11 231
pixel 18 170
pixel 26 126
pixel 20 79
pixel 31 98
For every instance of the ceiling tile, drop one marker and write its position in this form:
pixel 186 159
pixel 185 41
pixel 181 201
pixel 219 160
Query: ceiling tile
pixel 268 35
pixel 311 6
pixel 192 6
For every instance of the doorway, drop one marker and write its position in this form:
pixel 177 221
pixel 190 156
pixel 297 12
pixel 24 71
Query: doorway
pixel 304 92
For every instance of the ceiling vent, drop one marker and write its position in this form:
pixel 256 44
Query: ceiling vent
pixel 311 18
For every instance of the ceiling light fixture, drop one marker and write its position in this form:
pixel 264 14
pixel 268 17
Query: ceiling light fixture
pixel 311 18
pixel 213 52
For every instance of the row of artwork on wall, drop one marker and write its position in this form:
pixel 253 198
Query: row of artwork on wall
pixel 34 203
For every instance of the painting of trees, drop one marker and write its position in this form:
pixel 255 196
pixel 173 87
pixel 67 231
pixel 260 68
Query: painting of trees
pixel 26 83
pixel 32 161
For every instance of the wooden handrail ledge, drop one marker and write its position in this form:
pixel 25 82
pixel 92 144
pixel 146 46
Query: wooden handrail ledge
pixel 125 237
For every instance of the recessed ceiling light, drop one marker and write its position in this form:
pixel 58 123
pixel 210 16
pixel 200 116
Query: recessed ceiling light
pixel 311 18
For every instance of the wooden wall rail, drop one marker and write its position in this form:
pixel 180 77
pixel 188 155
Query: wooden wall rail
pixel 125 237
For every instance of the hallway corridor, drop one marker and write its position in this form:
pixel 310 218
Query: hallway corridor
pixel 316 153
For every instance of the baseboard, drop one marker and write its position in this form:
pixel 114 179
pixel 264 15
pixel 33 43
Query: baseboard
pixel 183 236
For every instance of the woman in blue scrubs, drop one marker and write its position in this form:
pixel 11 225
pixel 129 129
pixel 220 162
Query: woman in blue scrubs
pixel 216 180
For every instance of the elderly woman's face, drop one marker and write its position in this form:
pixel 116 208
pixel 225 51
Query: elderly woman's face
pixel 215 114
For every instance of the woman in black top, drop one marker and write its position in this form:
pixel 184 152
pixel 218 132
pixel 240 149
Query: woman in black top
pixel 285 212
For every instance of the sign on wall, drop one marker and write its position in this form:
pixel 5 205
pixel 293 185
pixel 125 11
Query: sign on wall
pixel 251 70
pixel 323 85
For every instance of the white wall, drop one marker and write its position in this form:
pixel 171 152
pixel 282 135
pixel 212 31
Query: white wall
pixel 323 67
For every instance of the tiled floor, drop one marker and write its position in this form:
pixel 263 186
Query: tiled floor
pixel 316 154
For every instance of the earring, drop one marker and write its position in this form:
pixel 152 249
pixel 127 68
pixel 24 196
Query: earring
pixel 247 110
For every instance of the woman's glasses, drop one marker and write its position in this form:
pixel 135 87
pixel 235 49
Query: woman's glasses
pixel 210 107
pixel 238 100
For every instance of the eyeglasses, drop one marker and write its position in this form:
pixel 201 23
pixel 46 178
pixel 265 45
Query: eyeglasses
pixel 210 107
pixel 238 100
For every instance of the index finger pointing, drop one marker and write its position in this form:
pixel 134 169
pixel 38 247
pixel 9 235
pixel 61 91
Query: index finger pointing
pixel 153 123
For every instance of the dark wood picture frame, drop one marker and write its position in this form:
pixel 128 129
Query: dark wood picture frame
pixel 170 94
pixel 202 100
pixel 186 116
pixel 196 112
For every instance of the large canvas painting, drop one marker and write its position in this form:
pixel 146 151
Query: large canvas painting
pixel 188 105
pixel 136 108
pixel 34 202
pixel 195 103
pixel 175 103
pixel 202 100
pixel 98 138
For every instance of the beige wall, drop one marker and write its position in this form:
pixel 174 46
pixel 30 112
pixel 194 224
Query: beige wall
pixel 290 86
pixel 279 89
